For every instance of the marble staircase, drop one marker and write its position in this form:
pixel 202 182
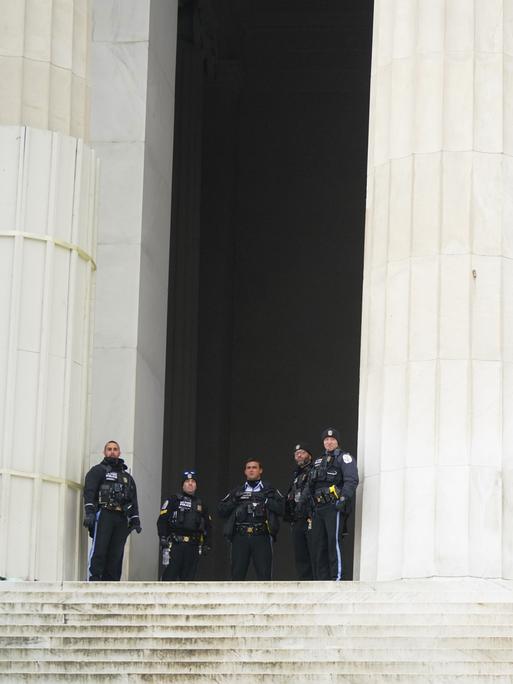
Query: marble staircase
pixel 411 631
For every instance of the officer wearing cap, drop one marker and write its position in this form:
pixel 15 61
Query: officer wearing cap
pixel 111 512
pixel 252 521
pixel 184 529
pixel 332 483
pixel 298 513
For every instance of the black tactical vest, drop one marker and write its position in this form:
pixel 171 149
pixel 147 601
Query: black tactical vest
pixel 187 515
pixel 252 509
pixel 114 490
pixel 326 472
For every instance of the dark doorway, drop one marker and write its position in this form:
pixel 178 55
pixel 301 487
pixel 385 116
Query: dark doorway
pixel 267 241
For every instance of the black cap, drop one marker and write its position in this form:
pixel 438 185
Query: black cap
pixel 189 475
pixel 304 446
pixel 331 432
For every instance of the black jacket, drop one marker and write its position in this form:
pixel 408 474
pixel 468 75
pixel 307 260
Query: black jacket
pixel 184 515
pixel 296 507
pixel 269 502
pixel 337 468
pixel 111 470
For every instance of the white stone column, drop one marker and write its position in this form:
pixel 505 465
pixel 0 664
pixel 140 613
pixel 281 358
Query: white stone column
pixel 436 418
pixel 47 251
pixel 132 115
pixel 47 238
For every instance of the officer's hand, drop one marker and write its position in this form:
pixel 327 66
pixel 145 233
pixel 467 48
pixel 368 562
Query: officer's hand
pixel 135 524
pixel 163 542
pixel 89 520
pixel 341 504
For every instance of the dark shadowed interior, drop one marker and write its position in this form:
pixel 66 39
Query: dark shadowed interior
pixel 267 236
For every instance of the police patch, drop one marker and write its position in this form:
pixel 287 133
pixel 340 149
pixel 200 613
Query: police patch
pixel 347 458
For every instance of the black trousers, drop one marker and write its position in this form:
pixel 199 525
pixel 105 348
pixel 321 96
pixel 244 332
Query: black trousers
pixel 303 549
pixel 326 539
pixel 255 547
pixel 109 538
pixel 183 562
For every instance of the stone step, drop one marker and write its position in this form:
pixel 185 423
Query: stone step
pixel 157 610
pixel 181 594
pixel 285 653
pixel 262 668
pixel 374 678
pixel 415 632
pixel 362 640
pixel 171 618
pixel 238 613
pixel 46 622
pixel 224 638
pixel 405 591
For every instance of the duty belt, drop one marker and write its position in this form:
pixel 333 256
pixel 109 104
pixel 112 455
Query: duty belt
pixel 184 538
pixel 328 495
pixel 251 530
pixel 111 507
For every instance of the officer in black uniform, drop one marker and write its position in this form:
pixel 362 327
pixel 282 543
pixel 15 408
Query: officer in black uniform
pixel 111 513
pixel 332 483
pixel 184 527
pixel 298 513
pixel 252 521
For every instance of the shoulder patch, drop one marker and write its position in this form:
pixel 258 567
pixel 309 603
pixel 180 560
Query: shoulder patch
pixel 347 458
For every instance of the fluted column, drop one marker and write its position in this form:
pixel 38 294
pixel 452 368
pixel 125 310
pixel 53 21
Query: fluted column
pixel 43 64
pixel 47 259
pixel 436 420
pixel 47 243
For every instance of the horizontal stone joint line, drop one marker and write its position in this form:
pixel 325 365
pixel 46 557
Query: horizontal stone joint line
pixel 41 476
pixel 56 241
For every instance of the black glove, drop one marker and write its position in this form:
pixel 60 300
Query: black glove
pixel 89 520
pixel 135 524
pixel 341 504
pixel 163 542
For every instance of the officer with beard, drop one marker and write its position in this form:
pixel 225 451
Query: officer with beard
pixel 111 513
pixel 252 521
pixel 298 513
pixel 332 483
pixel 184 528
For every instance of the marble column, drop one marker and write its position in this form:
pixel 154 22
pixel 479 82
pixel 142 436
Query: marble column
pixel 133 56
pixel 436 419
pixel 48 182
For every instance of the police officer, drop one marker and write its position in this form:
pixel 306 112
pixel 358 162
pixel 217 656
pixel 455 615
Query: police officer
pixel 252 521
pixel 184 528
pixel 111 513
pixel 298 513
pixel 332 483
